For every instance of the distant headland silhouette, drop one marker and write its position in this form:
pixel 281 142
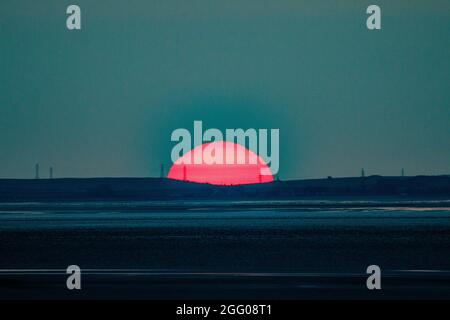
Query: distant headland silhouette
pixel 130 189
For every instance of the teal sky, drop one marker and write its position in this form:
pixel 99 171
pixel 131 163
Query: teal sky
pixel 103 101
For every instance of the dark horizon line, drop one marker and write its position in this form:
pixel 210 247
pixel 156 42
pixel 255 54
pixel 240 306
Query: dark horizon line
pixel 285 180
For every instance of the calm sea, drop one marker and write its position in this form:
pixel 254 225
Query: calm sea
pixel 309 249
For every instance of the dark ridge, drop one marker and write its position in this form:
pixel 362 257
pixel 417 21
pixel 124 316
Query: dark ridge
pixel 123 189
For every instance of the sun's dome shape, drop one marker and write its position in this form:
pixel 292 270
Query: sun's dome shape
pixel 221 163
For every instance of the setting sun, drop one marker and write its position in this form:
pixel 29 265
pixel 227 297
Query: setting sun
pixel 230 171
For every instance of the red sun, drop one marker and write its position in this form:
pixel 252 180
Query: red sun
pixel 221 163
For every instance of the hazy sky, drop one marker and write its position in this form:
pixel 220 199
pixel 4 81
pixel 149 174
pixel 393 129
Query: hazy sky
pixel 103 101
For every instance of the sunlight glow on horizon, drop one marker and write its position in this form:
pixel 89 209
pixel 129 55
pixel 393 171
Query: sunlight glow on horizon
pixel 226 173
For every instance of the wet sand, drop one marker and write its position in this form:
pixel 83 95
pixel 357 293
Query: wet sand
pixel 206 252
